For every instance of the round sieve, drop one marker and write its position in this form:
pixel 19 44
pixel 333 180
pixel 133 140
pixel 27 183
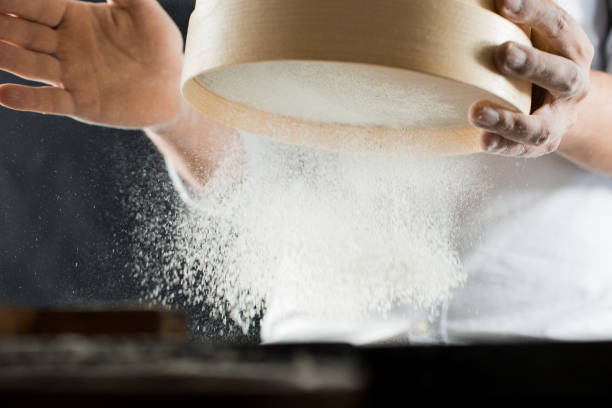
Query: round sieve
pixel 391 76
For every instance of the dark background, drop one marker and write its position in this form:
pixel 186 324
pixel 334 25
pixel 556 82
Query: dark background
pixel 67 206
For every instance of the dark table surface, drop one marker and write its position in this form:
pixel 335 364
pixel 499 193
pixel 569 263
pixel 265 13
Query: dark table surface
pixel 75 369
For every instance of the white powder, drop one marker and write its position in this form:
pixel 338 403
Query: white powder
pixel 329 234
pixel 363 95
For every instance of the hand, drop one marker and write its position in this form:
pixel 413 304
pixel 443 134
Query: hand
pixel 559 69
pixel 115 64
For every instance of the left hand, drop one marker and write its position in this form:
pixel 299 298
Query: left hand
pixel 114 64
pixel 559 69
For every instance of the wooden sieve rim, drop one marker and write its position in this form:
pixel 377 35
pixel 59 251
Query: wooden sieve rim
pixel 450 39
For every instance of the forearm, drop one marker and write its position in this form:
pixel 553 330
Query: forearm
pixel 194 144
pixel 589 141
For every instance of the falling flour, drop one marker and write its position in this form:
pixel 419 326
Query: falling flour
pixel 331 235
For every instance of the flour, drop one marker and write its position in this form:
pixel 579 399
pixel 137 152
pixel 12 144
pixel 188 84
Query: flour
pixel 332 235
pixel 353 94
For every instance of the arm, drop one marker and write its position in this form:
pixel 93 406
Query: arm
pixel 116 64
pixel 589 142
pixel 571 103
pixel 194 144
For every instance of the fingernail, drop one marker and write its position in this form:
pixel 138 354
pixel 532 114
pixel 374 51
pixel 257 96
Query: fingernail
pixel 513 6
pixel 515 57
pixel 487 116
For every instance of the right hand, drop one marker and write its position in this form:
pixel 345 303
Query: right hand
pixel 116 64
pixel 559 68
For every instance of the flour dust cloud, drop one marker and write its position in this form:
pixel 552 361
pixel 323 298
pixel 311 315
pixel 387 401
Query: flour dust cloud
pixel 331 235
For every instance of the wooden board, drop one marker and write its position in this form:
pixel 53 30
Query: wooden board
pixel 116 323
pixel 393 76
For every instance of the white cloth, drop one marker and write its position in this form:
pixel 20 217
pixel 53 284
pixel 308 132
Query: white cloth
pixel 538 254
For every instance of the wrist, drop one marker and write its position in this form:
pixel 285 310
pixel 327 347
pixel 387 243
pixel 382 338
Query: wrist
pixel 183 114
pixel 194 144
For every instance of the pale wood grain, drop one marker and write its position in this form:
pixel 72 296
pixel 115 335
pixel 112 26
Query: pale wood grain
pixel 121 323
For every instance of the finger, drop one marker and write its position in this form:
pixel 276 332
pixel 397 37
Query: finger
pixel 136 7
pixel 47 12
pixel 50 100
pixel 132 5
pixel 127 3
pixel 543 127
pixel 496 144
pixel 559 75
pixel 29 64
pixel 545 17
pixel 33 36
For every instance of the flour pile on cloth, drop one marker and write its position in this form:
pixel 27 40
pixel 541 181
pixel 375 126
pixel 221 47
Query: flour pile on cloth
pixel 334 235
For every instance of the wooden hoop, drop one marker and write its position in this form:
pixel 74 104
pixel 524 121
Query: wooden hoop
pixel 448 39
